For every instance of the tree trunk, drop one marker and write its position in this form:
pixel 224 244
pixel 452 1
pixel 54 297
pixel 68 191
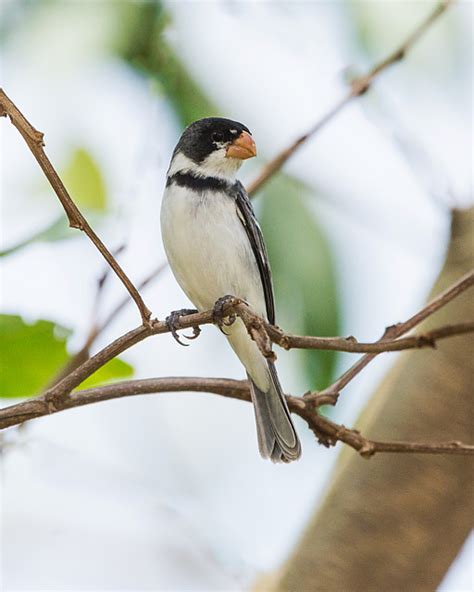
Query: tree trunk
pixel 396 522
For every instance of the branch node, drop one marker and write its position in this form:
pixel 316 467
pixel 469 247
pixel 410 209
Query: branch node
pixel 51 405
pixel 324 439
pixel 399 55
pixel 367 450
pixel 425 341
pixel 258 333
pixel 74 223
pixel 391 331
pixel 360 86
pixel 318 400
pixel 37 137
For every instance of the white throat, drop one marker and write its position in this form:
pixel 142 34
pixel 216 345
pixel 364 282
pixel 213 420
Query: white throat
pixel 215 165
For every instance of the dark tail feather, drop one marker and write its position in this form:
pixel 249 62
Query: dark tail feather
pixel 277 438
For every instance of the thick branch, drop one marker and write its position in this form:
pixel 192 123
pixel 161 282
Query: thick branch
pixel 399 525
pixel 327 432
pixel 358 87
pixel 34 140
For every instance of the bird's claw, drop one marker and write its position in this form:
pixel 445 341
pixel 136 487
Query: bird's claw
pixel 173 322
pixel 219 316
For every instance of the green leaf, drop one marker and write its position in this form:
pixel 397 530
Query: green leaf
pixel 31 355
pixel 113 370
pixel 83 180
pixel 303 273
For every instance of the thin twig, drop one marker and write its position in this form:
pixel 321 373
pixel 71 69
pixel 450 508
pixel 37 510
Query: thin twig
pixel 395 331
pixel 351 345
pixel 123 303
pixel 358 87
pixel 96 329
pixel 326 431
pixel 101 282
pixel 34 140
pixel 329 433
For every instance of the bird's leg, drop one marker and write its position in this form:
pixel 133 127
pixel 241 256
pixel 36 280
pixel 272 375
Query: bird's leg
pixel 219 316
pixel 173 324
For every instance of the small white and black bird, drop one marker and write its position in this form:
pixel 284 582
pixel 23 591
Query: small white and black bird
pixel 215 248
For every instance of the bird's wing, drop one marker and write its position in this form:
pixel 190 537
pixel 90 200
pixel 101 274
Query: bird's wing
pixel 254 234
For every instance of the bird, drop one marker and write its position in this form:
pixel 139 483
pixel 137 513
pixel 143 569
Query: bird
pixel 216 249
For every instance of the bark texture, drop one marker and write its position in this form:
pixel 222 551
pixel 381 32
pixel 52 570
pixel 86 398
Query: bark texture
pixel 397 522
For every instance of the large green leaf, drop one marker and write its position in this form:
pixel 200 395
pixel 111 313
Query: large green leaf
pixel 84 181
pixel 303 272
pixel 32 354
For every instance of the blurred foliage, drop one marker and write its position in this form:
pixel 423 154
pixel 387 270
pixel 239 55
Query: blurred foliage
pixel 57 230
pixel 143 45
pixel 371 34
pixel 84 181
pixel 32 354
pixel 303 273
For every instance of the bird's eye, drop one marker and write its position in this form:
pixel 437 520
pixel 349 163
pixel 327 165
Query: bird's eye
pixel 217 137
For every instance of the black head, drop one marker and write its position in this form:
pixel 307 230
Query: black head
pixel 205 136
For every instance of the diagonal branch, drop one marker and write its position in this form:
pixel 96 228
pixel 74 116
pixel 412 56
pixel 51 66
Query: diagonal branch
pixel 358 87
pixel 34 140
pixel 395 331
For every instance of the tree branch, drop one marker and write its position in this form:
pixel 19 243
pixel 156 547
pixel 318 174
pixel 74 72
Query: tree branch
pixel 83 353
pixel 326 431
pixel 358 87
pixel 395 331
pixel 58 396
pixel 34 140
pixel 351 345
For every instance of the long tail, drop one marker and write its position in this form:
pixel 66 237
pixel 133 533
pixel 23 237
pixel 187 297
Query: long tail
pixel 277 438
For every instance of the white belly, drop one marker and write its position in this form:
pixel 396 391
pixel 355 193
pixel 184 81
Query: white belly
pixel 208 249
pixel 211 256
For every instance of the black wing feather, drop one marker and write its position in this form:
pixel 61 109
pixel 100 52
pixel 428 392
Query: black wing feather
pixel 249 222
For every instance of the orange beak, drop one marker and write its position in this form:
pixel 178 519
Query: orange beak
pixel 242 147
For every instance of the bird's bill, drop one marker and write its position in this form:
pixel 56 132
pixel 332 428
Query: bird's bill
pixel 242 147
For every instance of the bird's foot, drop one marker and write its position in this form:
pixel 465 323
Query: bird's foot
pixel 173 324
pixel 219 316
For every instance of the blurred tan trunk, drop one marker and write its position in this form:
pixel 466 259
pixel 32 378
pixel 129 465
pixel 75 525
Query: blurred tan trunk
pixel 396 522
